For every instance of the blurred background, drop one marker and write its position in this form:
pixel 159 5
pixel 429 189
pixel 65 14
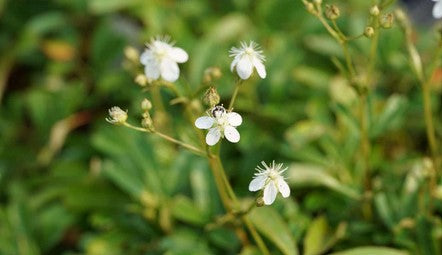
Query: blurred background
pixel 70 183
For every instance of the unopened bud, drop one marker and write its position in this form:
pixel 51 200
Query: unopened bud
pixel 131 54
pixel 211 97
pixel 317 1
pixel 141 80
pixel 259 201
pixel 147 123
pixel 212 73
pixel 117 116
pixel 146 105
pixel 374 11
pixel 387 20
pixel 310 8
pixel 369 32
pixel 332 12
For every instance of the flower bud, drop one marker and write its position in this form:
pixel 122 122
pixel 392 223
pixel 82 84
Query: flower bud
pixel 259 201
pixel 212 73
pixel 131 54
pixel 147 123
pixel 117 116
pixel 146 105
pixel 369 32
pixel 317 1
pixel 211 97
pixel 141 80
pixel 374 11
pixel 310 8
pixel 332 12
pixel 387 20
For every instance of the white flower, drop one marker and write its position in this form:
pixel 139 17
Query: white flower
pixel 220 124
pixel 247 57
pixel 117 116
pixel 437 9
pixel 161 58
pixel 270 179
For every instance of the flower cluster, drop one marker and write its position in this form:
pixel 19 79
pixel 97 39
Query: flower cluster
pixel 160 60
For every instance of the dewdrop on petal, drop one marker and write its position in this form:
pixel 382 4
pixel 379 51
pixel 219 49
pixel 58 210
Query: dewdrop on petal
pixel 246 58
pixel 220 124
pixel 117 116
pixel 269 178
pixel 161 59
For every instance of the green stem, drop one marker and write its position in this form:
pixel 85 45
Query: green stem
pixel 235 94
pixel 168 138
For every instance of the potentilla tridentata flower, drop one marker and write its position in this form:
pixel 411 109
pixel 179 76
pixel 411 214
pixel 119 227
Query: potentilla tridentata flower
pixel 117 116
pixel 437 9
pixel 245 58
pixel 270 179
pixel 161 58
pixel 220 124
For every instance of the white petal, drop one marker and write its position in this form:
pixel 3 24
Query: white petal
pixel 234 119
pixel 151 70
pixel 146 57
pixel 260 68
pixel 244 68
pixel 204 122
pixel 437 10
pixel 179 55
pixel 283 187
pixel 213 136
pixel 257 183
pixel 231 134
pixel 169 70
pixel 270 192
pixel 233 64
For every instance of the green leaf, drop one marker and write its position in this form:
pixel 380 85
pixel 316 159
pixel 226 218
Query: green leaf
pixel 184 209
pixel 391 117
pixel 371 250
pixel 316 237
pixel 106 6
pixel 313 175
pixel 270 223
pixel 384 209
